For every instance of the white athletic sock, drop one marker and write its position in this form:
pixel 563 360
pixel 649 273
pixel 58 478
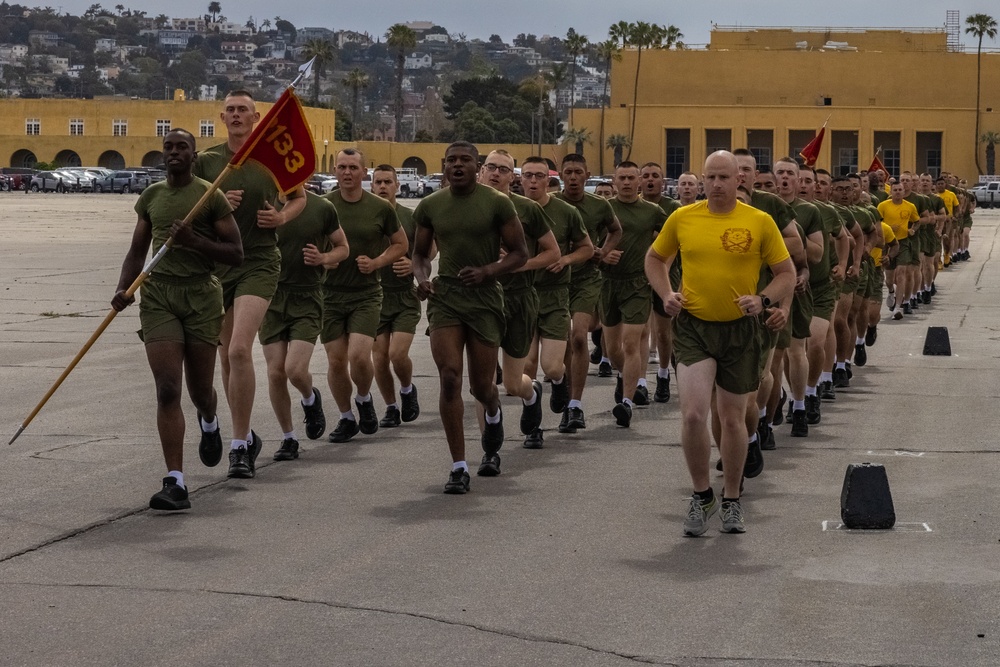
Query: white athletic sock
pixel 532 400
pixel 573 403
pixel 249 438
pixel 762 413
pixel 460 465
pixel 663 373
pixel 493 419
pixel 179 476
pixel 642 382
pixel 810 391
pixel 842 365
pixel 236 444
pixel 628 402
pixel 859 341
pixel 408 389
pixel 605 360
pixel 289 436
pixel 752 439
pixel 309 401
pixel 826 376
pixel 559 381
pixel 209 427
pixel 798 405
pixel 392 405
pixel 363 399
pixel 348 416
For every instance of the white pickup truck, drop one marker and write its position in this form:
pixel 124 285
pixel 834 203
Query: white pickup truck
pixel 987 194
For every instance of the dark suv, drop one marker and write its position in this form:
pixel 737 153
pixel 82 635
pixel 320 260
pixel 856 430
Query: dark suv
pixel 122 181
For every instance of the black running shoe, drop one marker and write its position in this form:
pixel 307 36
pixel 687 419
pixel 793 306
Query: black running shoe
pixel 391 419
pixel 490 466
pixel 367 419
pixel 907 310
pixel 171 497
pixel 860 355
pixel 850 373
pixel 641 395
pixel 314 418
pixel 346 429
pixel 254 449
pixel 492 439
pixel 933 289
pixel 800 427
pixel 812 410
pixel 871 335
pixel 559 397
pixel 564 426
pixel 499 374
pixel 840 379
pixel 914 304
pixel 534 440
pixel 596 354
pixel 411 406
pixel 927 296
pixel 531 415
pixel 765 434
pixel 827 392
pixel 755 460
pixel 289 450
pixel 618 389
pixel 605 370
pixel 662 393
pixel 239 464
pixel 623 414
pixel 576 419
pixel 458 481
pixel 788 416
pixel 210 448
pixel 718 465
pixel 779 415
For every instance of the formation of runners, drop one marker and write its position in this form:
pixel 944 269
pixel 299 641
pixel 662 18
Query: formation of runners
pixel 756 289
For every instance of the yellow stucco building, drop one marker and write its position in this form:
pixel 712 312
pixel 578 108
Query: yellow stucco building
pixel 769 90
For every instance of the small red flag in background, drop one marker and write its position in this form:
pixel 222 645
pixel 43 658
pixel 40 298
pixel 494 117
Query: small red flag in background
pixel 876 165
pixel 811 152
pixel 282 143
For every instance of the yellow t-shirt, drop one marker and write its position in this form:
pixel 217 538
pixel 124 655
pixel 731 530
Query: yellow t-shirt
pixel 721 254
pixel 950 201
pixel 889 237
pixel 899 216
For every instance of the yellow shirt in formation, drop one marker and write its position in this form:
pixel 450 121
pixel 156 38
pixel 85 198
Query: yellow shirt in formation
pixel 722 255
pixel 889 237
pixel 950 201
pixel 899 216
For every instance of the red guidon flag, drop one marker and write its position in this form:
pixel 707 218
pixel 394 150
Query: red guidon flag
pixel 282 143
pixel 811 152
pixel 876 165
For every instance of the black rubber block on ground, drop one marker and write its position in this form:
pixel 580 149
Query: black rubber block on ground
pixel 866 501
pixel 937 342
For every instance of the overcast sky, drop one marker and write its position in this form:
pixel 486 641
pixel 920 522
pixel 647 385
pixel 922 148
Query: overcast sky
pixel 507 18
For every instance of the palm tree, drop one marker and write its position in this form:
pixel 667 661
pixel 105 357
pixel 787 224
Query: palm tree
pixel 574 44
pixel 325 53
pixel 617 142
pixel 400 38
pixel 649 36
pixel 556 77
pixel 214 8
pixel 579 137
pixel 607 50
pixel 980 25
pixel 990 138
pixel 265 24
pixel 356 79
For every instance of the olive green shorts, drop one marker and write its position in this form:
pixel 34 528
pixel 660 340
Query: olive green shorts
pixel 824 299
pixel 930 242
pixel 178 311
pixel 878 284
pixel 784 337
pixel 585 292
pixel 350 312
pixel 479 308
pixel 850 285
pixel 908 254
pixel 522 320
pixel 293 315
pixel 966 222
pixel 801 314
pixel 625 301
pixel 735 346
pixel 865 276
pixel 400 312
pixel 256 276
pixel 553 313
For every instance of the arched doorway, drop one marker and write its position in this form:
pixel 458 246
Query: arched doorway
pixel 152 159
pixel 24 159
pixel 111 160
pixel 67 158
pixel 413 162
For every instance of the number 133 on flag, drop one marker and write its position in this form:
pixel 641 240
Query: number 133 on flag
pixel 282 143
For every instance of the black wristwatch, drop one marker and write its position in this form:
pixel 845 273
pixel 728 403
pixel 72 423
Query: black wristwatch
pixel 765 303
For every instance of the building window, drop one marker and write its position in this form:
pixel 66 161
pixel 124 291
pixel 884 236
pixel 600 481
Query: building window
pixel 848 161
pixel 32 127
pixel 890 158
pixel 207 128
pixel 119 127
pixel 763 157
pixel 934 162
pixel 162 127
pixel 76 127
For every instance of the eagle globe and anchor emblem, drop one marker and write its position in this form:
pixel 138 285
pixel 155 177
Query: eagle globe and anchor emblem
pixel 737 240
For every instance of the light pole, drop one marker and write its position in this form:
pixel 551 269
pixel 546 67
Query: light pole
pixel 326 144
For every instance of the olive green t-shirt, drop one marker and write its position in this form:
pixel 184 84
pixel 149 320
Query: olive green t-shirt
pixel 919 201
pixel 598 216
pixel 879 194
pixel 641 222
pixel 667 205
pixel 257 186
pixel 314 225
pixel 536 225
pixel 782 214
pixel 390 281
pixel 833 227
pixel 811 221
pixel 567 227
pixel 366 223
pixel 466 227
pixel 161 205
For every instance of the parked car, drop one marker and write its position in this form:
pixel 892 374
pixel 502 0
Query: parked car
pixel 123 181
pixel 17 178
pixel 315 183
pixel 52 181
pixel 433 183
pixel 988 195
pixel 328 185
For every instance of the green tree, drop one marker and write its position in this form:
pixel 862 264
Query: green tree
pixel 214 8
pixel 607 51
pixel 991 139
pixel 325 54
pixel 644 35
pixel 356 79
pixel 574 44
pixel 578 137
pixel 617 143
pixel 980 25
pixel 400 39
pixel 556 77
